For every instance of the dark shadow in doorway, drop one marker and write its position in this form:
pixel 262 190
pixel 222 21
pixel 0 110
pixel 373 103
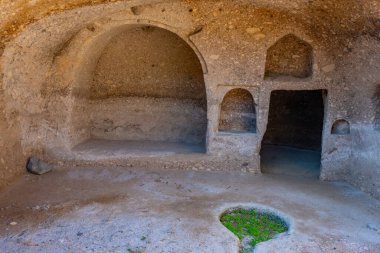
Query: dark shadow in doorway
pixel 292 142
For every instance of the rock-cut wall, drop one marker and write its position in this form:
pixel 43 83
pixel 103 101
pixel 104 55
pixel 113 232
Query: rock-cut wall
pixel 160 70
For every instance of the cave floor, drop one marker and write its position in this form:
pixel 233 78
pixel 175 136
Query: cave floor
pixel 140 210
pixel 290 161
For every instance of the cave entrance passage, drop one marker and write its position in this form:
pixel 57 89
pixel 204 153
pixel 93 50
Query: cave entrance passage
pixel 292 142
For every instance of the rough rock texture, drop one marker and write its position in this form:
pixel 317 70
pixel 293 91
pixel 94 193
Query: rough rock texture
pixel 38 167
pixel 148 119
pixel 148 61
pixel 53 51
pixel 290 56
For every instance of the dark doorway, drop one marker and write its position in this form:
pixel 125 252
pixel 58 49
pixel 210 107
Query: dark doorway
pixel 292 142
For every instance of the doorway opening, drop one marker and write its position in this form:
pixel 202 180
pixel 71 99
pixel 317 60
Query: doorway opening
pixel 293 140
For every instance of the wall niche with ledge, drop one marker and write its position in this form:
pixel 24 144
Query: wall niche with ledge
pixel 341 127
pixel 289 57
pixel 147 93
pixel 237 112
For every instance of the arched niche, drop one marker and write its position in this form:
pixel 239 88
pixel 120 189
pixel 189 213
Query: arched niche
pixel 341 127
pixel 237 112
pixel 291 57
pixel 146 85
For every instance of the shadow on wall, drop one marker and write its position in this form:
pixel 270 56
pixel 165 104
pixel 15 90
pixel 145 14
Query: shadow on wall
pixel 295 119
pixel 290 56
pixel 376 100
pixel 237 112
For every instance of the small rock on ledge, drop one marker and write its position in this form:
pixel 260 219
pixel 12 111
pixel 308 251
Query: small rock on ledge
pixel 38 167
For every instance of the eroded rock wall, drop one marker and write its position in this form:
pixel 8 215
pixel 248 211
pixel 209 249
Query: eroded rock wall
pixel 50 49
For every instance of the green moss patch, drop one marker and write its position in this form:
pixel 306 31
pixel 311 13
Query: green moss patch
pixel 252 226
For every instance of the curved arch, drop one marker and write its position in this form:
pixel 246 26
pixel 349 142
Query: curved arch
pixel 83 52
pixel 87 45
pixel 237 112
pixel 148 61
pixel 139 83
pixel 341 127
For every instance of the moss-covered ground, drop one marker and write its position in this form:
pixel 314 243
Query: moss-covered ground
pixel 252 226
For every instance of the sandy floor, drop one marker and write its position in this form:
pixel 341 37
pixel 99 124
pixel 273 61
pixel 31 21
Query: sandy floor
pixel 136 210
